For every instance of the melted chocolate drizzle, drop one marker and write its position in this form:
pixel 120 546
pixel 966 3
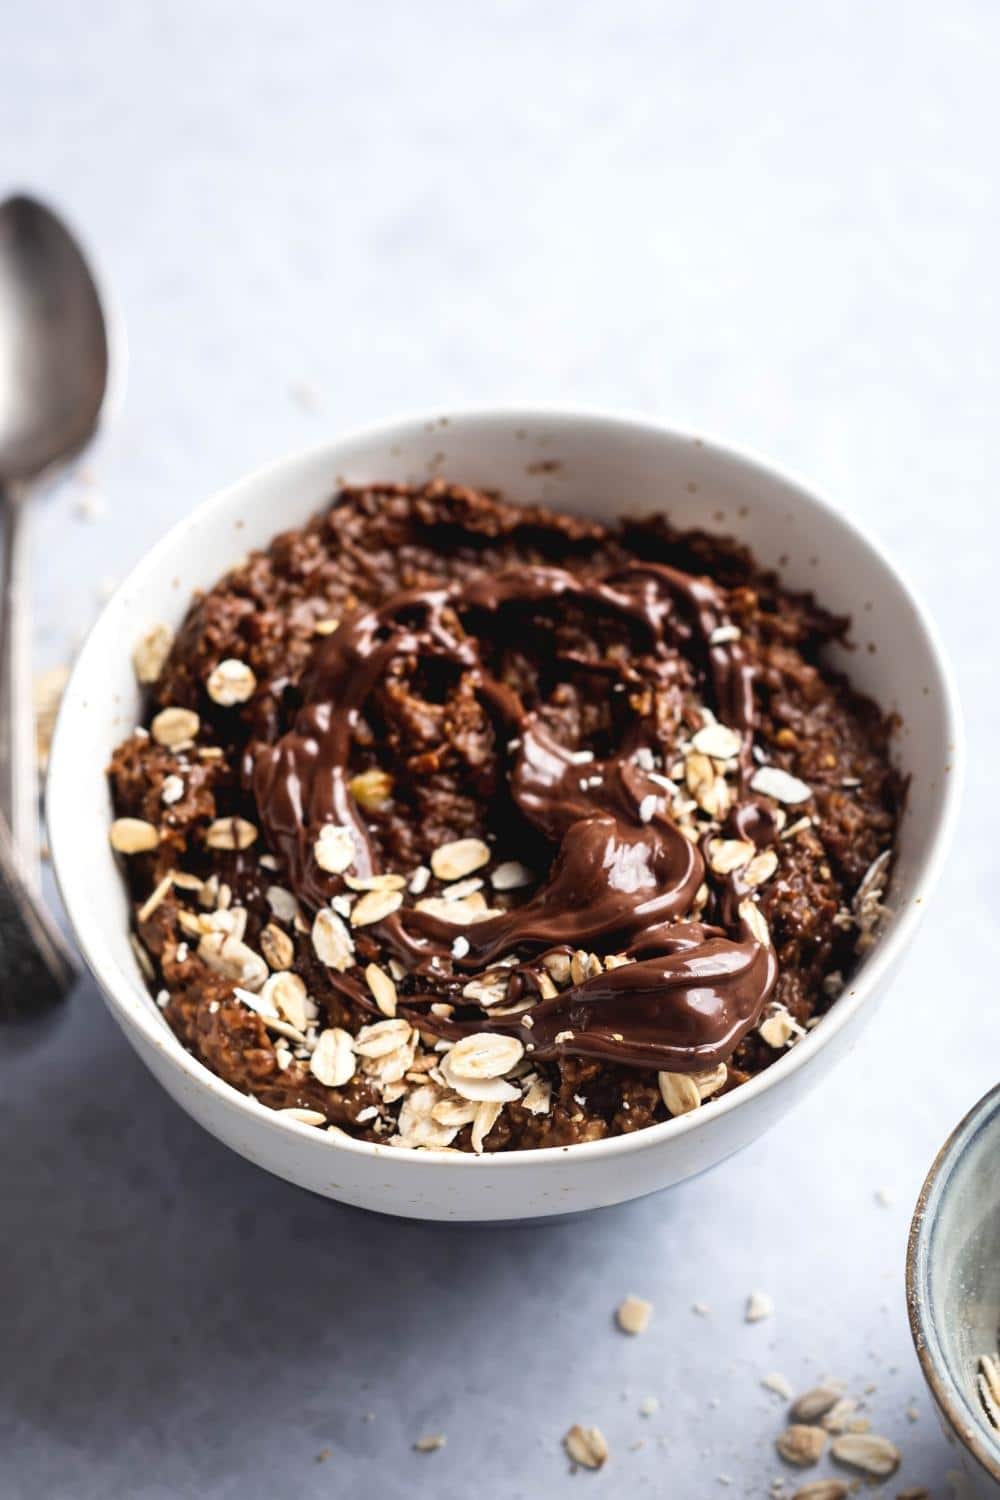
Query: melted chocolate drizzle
pixel 623 875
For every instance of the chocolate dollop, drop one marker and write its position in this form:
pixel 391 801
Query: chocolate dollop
pixel 623 876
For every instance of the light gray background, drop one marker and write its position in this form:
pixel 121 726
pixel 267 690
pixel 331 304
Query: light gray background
pixel 773 223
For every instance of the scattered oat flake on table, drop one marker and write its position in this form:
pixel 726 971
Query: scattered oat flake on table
pixel 586 1446
pixel 701 1308
pixel 840 1415
pixel 430 1442
pixel 884 1198
pixel 759 1306
pixel 801 1445
pixel 778 1384
pixel 822 1489
pixel 633 1314
pixel 648 1405
pixel 868 1453
pixel 815 1403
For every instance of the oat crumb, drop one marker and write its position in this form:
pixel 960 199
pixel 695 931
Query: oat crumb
pixel 586 1446
pixel 430 1442
pixel 633 1314
pixel 759 1306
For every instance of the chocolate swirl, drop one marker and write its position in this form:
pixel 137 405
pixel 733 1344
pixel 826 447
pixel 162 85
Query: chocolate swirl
pixel 623 876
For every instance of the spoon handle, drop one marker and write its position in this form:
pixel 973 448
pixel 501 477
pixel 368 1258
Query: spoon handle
pixel 18 773
pixel 36 970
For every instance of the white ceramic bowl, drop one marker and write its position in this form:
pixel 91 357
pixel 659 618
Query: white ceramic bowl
pixel 953 1285
pixel 599 465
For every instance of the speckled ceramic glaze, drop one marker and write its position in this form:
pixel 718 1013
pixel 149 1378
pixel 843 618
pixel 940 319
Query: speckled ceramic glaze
pixel 598 465
pixel 953 1285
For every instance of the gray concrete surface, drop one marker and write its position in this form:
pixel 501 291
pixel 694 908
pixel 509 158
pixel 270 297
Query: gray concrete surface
pixel 773 223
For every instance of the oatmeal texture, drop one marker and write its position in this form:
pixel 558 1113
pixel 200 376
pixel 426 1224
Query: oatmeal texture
pixel 463 825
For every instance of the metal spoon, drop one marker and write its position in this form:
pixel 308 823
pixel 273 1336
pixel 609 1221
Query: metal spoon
pixel 54 371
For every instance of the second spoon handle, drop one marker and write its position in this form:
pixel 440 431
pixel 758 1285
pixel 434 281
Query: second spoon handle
pixel 18 771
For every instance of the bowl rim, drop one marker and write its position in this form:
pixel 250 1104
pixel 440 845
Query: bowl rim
pixel 969 1425
pixel 116 986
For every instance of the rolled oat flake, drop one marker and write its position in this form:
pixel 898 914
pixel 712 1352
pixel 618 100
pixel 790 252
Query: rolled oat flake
pixel 586 1446
pixel 863 1450
pixel 801 1444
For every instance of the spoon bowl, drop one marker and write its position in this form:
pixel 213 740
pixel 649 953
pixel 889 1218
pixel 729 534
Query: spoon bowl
pixel 54 354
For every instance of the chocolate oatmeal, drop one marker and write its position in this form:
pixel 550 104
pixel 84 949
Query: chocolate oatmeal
pixel 457 824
